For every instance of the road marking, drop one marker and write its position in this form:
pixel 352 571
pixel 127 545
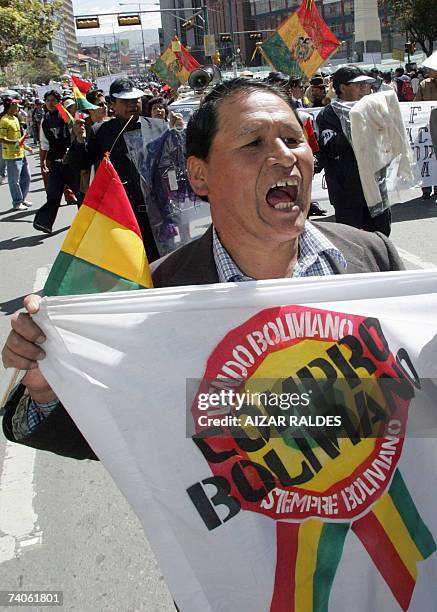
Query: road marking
pixel 415 259
pixel 18 519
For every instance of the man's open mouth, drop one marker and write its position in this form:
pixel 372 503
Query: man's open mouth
pixel 283 194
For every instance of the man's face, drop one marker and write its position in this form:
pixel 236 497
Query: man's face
pixel 13 108
pixel 352 92
pixel 259 170
pixel 432 74
pixel 51 103
pixel 124 109
pixel 318 92
pixel 158 111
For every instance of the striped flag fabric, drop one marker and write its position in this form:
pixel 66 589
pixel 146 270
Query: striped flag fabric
pixel 307 557
pixel 175 65
pixel 82 85
pixel 65 115
pixel 82 103
pixel 301 43
pixel 103 250
pixel 397 539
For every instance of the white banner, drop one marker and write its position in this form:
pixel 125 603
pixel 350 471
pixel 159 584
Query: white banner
pixel 104 82
pixel 257 513
pixel 41 90
pixel 416 120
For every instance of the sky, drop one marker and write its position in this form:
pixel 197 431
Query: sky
pixel 96 7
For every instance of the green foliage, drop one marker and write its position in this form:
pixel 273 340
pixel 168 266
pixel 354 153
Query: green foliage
pixel 26 28
pixel 39 70
pixel 418 19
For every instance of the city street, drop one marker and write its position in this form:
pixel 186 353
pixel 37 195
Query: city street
pixel 63 524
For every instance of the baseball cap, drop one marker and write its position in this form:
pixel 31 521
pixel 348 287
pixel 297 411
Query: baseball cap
pixel 350 74
pixel 124 89
pixel 68 102
pixel 317 81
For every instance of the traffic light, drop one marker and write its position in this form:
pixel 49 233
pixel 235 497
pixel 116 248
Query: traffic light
pixel 255 36
pixel 225 38
pixel 129 20
pixel 410 48
pixel 87 23
pixel 216 58
pixel 188 24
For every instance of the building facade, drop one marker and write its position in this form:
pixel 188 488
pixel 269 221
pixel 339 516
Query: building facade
pixel 64 43
pixel 69 28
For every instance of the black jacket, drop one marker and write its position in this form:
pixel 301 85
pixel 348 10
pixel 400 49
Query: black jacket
pixel 100 140
pixel 193 264
pixel 341 168
pixel 57 133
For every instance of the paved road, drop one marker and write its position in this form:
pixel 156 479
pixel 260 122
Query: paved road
pixel 63 524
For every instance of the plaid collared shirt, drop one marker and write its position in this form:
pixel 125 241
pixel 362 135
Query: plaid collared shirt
pixel 313 260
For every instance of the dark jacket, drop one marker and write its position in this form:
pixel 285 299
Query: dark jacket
pixel 193 264
pixel 101 139
pixel 57 133
pixel 341 168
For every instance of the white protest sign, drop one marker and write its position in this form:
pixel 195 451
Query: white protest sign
pixel 244 511
pixel 41 90
pixel 416 121
pixel 104 82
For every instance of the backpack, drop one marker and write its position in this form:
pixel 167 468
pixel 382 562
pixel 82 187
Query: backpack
pixel 407 92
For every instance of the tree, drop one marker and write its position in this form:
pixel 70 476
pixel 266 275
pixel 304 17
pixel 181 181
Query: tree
pixel 26 28
pixel 418 19
pixel 39 70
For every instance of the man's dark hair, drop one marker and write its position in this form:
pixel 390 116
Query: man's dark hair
pixel 277 78
pixel 399 72
pixel 53 93
pixel 203 124
pixel 155 101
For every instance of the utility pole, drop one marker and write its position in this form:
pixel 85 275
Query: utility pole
pixel 232 32
pixel 142 40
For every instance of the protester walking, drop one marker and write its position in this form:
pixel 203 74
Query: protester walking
pixel 55 140
pixel 12 139
pixel 341 168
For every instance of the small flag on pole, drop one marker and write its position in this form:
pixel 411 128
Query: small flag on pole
pixel 302 43
pixel 82 85
pixel 175 65
pixel 82 103
pixel 103 250
pixel 65 115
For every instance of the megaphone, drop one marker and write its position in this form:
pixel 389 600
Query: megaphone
pixel 202 78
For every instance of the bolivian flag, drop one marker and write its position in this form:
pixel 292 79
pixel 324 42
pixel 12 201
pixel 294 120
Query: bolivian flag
pixel 65 115
pixel 175 65
pixel 82 85
pixel 103 250
pixel 81 101
pixel 302 43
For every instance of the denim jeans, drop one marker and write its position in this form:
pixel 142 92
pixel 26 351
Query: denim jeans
pixel 18 179
pixel 2 164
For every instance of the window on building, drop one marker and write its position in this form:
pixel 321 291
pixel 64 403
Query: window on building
pixel 348 7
